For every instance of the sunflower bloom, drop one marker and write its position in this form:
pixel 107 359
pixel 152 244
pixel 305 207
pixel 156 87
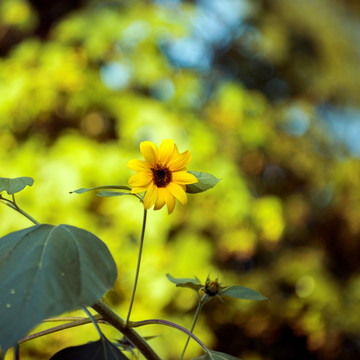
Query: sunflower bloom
pixel 162 175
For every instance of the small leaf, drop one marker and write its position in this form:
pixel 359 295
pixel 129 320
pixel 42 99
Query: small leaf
pixel 102 349
pixel 206 182
pixel 15 185
pixel 215 355
pixel 103 187
pixel 194 284
pixel 112 193
pixel 242 292
pixel 46 270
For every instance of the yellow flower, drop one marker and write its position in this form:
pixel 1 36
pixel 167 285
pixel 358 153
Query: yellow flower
pixel 162 175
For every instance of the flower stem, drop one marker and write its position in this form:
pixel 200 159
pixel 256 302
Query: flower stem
pixel 196 315
pixel 14 206
pixel 141 245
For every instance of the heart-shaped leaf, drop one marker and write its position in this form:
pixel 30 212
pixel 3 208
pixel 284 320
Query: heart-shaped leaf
pixel 194 284
pixel 216 355
pixel 242 292
pixel 103 187
pixel 102 349
pixel 206 182
pixel 46 270
pixel 12 186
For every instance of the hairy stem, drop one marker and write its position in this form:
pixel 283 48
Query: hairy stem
pixel 119 323
pixel 69 318
pixel 141 245
pixel 79 322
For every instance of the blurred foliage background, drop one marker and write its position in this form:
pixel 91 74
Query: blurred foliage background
pixel 266 96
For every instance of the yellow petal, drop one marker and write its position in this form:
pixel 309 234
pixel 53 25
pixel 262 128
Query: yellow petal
pixel 138 189
pixel 178 191
pixel 166 151
pixel 184 178
pixel 150 152
pixel 160 201
pixel 150 196
pixel 138 165
pixel 176 151
pixel 179 163
pixel 140 180
pixel 170 201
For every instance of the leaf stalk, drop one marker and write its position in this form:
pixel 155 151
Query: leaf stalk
pixel 69 325
pixel 12 204
pixel 170 324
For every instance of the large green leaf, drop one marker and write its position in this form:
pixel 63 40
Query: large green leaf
pixel 102 349
pixel 15 185
pixel 242 292
pixel 46 270
pixel 206 182
pixel 194 284
pixel 102 187
pixel 215 355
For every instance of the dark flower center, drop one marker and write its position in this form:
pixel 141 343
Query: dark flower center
pixel 212 287
pixel 161 175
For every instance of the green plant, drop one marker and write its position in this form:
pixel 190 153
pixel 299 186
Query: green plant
pixel 46 270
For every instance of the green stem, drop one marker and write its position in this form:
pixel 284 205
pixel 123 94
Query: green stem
pixel 196 315
pixel 170 324
pixel 141 245
pixel 116 321
pixel 14 206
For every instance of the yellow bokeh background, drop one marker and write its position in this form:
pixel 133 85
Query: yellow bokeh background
pixel 271 109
